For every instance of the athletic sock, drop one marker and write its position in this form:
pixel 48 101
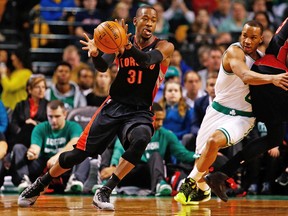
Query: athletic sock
pixel 203 186
pixel 46 179
pixel 112 182
pixel 195 174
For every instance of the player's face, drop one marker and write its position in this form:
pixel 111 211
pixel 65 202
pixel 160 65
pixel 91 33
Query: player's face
pixel 56 118
pixel 250 38
pixel 145 22
pixel 159 117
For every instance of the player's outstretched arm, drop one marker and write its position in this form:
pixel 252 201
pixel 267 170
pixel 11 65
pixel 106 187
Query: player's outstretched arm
pixel 101 63
pixel 234 61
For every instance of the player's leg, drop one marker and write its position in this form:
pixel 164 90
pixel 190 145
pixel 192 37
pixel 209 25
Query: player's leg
pixel 66 161
pixel 138 137
pixel 217 180
pixel 206 133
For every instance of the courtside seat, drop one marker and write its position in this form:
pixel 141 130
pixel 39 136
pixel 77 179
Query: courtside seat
pixel 82 115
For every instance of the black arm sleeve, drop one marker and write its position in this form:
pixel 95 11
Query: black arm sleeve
pixel 101 63
pixel 146 58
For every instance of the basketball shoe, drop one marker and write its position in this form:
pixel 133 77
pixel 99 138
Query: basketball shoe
pixel 199 196
pixel 74 185
pixel 29 196
pixel 24 184
pixel 163 189
pixel 189 186
pixel 101 199
pixel 217 183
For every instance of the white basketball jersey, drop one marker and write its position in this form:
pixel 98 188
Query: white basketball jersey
pixel 231 91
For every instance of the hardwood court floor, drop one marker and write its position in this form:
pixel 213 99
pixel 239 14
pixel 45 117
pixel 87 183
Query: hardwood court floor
pixel 128 206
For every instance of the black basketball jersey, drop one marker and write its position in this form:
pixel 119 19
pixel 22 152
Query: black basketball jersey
pixel 137 85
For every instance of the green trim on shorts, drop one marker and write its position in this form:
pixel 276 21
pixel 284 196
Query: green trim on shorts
pixel 230 111
pixel 227 135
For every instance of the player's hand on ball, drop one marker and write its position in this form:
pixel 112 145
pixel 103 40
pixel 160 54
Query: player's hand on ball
pixel 90 46
pixel 128 44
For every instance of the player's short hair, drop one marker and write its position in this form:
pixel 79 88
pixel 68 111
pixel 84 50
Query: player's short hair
pixel 256 24
pixel 145 6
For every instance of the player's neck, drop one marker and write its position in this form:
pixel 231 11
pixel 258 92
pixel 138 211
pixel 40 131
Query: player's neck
pixel 141 42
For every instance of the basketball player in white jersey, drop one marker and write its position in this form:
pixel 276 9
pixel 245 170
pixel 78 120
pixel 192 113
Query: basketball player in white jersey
pixel 229 119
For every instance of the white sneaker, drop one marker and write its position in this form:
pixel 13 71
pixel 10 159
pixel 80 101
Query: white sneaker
pixel 24 184
pixel 73 185
pixel 101 199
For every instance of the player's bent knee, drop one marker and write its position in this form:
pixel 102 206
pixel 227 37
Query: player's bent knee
pixel 138 137
pixel 70 158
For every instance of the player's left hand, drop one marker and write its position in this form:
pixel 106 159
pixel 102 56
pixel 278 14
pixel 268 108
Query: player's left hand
pixel 90 46
pixel 128 44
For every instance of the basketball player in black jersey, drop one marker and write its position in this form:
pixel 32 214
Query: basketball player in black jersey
pixel 270 106
pixel 143 62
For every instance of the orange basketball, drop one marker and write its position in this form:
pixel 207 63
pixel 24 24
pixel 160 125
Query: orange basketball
pixel 109 36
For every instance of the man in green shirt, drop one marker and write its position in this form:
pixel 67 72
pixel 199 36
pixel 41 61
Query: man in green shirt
pixel 48 140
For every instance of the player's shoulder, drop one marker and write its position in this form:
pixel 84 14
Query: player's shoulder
pixel 234 50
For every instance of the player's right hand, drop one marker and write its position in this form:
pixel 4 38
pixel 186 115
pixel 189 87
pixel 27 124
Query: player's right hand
pixel 90 46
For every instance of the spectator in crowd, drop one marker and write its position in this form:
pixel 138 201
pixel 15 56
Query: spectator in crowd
pixel 210 5
pixel 213 64
pixel 101 89
pixel 264 19
pixel 28 113
pixel 48 140
pixel 64 89
pixel 192 88
pixel 172 74
pixel 52 15
pixel 203 55
pixel 178 114
pixel 178 13
pixel 151 164
pixel 162 26
pixel 178 62
pixel 71 55
pixel 89 18
pixel 121 11
pixel 221 13
pixel 223 40
pixel 55 11
pixel 3 152
pixel 267 36
pixel 14 86
pixel 5 61
pixel 261 6
pixel 86 80
pixel 234 23
pixel 3 118
pixel 201 31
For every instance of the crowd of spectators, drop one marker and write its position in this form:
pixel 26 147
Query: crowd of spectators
pixel 200 32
